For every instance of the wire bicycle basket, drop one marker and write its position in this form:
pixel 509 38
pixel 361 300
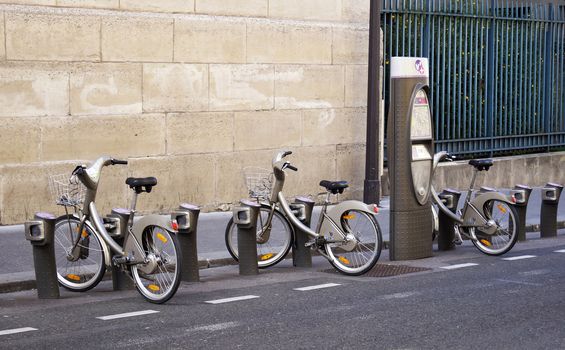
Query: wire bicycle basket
pixel 259 181
pixel 66 190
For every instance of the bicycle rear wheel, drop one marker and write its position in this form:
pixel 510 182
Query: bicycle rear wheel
pixel 506 235
pixel 158 280
pixel 272 244
pixel 367 250
pixel 81 268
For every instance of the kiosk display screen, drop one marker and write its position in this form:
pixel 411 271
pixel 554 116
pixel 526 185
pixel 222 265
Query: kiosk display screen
pixel 421 126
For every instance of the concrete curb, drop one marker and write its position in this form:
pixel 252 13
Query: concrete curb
pixel 22 281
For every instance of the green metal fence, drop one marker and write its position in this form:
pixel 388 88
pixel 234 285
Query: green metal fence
pixel 496 70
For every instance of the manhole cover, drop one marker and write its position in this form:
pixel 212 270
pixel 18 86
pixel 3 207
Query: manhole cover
pixel 384 270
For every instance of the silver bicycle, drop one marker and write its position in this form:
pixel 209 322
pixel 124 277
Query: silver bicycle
pixel 84 249
pixel 489 220
pixel 348 234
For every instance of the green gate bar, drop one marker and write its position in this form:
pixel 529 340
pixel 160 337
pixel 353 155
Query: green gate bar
pixel 497 70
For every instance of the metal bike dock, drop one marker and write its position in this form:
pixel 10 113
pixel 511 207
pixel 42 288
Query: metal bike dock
pixel 41 232
pixel 116 224
pixel 550 195
pixel 446 236
pixel 522 195
pixel 186 217
pixel 302 255
pixel 245 217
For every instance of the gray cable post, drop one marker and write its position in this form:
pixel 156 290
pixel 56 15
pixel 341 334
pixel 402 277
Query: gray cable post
pixel 522 195
pixel 548 217
pixel 245 217
pixel 187 219
pixel 445 239
pixel 41 233
pixel 301 255
pixel 116 224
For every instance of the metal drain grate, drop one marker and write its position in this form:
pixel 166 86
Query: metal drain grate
pixel 384 270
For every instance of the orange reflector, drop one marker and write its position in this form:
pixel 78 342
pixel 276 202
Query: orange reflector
pixel 154 287
pixel 343 260
pixel 73 277
pixel 84 234
pixel 501 208
pixel 348 217
pixel 266 256
pixel 485 242
pixel 161 237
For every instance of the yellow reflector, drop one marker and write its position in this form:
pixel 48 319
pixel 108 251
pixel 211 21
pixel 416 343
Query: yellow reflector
pixel 485 242
pixel 343 260
pixel 73 277
pixel 348 217
pixel 501 208
pixel 84 234
pixel 162 238
pixel 266 256
pixel 154 287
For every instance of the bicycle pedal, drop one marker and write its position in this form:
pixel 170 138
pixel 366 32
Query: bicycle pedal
pixel 310 244
pixel 120 260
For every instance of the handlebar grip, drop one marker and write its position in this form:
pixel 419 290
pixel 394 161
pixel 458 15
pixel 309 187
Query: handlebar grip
pixel 287 153
pixel 121 162
pixel 292 167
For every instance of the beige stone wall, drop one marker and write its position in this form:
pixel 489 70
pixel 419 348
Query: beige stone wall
pixel 190 91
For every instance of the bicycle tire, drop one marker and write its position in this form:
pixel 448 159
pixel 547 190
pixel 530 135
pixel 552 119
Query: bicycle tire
pixel 504 239
pixel 159 285
pixel 268 254
pixel 75 275
pixel 346 261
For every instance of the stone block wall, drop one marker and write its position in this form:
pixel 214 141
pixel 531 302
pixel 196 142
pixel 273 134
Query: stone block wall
pixel 189 91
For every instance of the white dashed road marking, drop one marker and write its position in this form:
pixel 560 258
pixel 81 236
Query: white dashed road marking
pixel 459 266
pixel 560 251
pixel 17 330
pixel 521 257
pixel 128 314
pixel 319 286
pixel 229 300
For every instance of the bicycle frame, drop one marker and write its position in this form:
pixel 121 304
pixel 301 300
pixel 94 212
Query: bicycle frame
pixel 328 222
pixel 132 249
pixel 472 213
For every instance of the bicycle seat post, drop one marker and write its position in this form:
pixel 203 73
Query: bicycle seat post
pixel 132 207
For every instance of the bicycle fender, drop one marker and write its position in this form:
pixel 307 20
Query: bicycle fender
pixel 133 246
pixel 329 229
pixel 472 217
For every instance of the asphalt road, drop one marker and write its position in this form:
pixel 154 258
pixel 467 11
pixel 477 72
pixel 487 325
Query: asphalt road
pixel 482 302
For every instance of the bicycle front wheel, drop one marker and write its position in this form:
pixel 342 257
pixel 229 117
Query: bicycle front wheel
pixel 368 244
pixel 503 216
pixel 158 279
pixel 273 241
pixel 80 267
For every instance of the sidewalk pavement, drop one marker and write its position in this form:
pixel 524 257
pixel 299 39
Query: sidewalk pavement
pixel 16 264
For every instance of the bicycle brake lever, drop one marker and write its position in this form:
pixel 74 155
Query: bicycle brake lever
pixel 79 170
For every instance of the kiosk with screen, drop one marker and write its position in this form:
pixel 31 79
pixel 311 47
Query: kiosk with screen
pixel 410 153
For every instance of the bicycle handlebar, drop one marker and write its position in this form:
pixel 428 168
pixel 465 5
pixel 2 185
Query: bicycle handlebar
pixel 292 167
pixel 287 153
pixel 118 161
